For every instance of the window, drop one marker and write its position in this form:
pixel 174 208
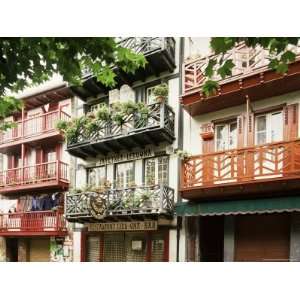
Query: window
pixel 96 176
pixel 94 107
pixel 226 136
pixel 268 128
pixel 150 98
pixel 124 175
pixel 157 170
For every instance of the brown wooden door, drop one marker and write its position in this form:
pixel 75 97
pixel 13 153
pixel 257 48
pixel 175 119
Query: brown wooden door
pixel 39 250
pixel 262 237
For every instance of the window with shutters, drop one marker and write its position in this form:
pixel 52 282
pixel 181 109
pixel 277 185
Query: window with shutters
pixel 226 136
pixel 269 128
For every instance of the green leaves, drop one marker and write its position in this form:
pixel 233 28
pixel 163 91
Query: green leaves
pixel 288 56
pixel 209 71
pixel 222 44
pixel 226 68
pixel 280 56
pixel 209 87
pixel 31 61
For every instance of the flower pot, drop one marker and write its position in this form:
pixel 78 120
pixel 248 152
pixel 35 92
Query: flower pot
pixel 160 99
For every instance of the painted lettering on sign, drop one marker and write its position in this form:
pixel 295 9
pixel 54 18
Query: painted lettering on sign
pixel 126 157
pixel 123 226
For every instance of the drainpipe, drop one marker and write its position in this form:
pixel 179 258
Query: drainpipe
pixel 180 142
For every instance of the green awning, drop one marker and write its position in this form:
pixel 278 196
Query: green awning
pixel 217 208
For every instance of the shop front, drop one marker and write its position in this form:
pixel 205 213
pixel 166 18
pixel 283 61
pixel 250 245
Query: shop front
pixel 259 230
pixel 135 241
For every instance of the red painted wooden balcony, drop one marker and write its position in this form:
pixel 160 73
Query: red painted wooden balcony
pixel 31 129
pixel 266 169
pixel 45 176
pixel 251 76
pixel 32 223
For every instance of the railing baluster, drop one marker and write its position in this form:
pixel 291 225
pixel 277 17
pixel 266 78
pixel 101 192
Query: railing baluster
pixel 246 164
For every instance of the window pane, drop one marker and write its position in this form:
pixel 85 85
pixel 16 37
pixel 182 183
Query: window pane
pixel 276 127
pixel 261 130
pixel 261 138
pixel 232 143
pixel 163 170
pixel 150 171
pixel 96 176
pixel 125 175
pixel 221 137
pixel 261 123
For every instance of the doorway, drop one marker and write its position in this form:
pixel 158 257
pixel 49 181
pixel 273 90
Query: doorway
pixel 12 249
pixel 212 239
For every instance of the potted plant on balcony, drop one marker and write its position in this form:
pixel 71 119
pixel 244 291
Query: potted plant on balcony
pixel 103 113
pixel 129 107
pixel 182 154
pixel 143 113
pixel 161 92
pixel 145 199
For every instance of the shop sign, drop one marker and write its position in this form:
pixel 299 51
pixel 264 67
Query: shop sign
pixel 126 157
pixel 123 226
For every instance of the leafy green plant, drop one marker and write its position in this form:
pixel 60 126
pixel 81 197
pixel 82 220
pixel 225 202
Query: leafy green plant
pixel 62 125
pixel 128 107
pixel 103 113
pixel 182 154
pixel 161 90
pixel 118 118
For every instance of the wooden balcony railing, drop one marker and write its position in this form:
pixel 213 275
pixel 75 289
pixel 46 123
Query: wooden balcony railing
pixel 33 126
pixel 247 61
pixel 157 199
pixel 32 222
pixel 44 172
pixel 265 162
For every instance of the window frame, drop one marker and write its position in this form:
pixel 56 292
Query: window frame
pixel 268 130
pixel 227 126
pixel 156 166
pixel 90 168
pixel 115 173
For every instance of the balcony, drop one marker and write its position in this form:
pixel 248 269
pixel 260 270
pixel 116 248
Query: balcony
pixel 251 76
pixel 130 203
pixel 135 132
pixel 49 223
pixel 44 176
pixel 262 170
pixel 32 129
pixel 159 53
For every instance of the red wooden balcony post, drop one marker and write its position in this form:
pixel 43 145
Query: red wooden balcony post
pixel 23 162
pixel 58 170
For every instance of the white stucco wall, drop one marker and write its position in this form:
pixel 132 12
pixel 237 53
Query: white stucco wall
pixel 192 125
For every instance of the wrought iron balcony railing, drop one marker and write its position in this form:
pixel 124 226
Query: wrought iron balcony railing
pixel 274 161
pixel 136 131
pixel 27 223
pixel 144 200
pixel 247 61
pixel 146 46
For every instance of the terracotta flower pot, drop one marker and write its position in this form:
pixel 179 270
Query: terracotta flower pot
pixel 160 99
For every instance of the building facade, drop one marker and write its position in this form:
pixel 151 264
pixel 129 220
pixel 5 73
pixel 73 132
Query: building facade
pixel 241 180
pixel 110 186
pixel 126 175
pixel 34 178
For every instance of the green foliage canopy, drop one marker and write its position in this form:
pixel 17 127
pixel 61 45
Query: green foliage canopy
pixel 31 61
pixel 279 56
